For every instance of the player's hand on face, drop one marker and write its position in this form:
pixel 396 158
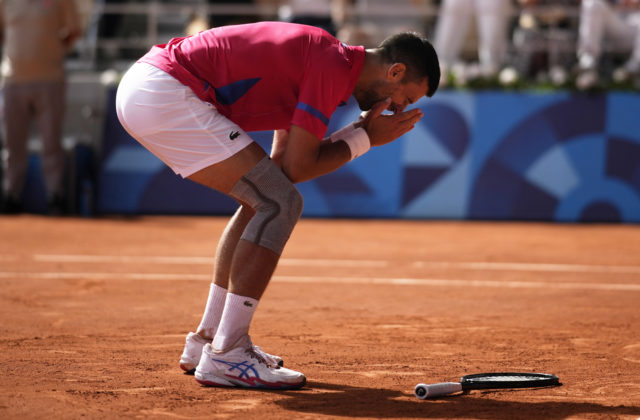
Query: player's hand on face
pixel 383 129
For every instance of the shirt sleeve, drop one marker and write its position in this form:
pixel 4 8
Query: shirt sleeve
pixel 321 90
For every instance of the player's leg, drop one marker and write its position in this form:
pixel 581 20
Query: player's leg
pixel 17 117
pixel 212 315
pixel 277 206
pixel 222 268
pixel 246 265
pixel 193 139
pixel 210 321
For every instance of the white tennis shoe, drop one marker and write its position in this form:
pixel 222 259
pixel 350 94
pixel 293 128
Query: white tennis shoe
pixel 243 366
pixel 193 350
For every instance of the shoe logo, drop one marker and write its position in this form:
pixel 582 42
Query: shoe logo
pixel 245 369
pixel 234 135
pixel 247 303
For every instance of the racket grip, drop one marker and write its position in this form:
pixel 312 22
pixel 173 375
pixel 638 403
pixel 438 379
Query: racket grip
pixel 423 391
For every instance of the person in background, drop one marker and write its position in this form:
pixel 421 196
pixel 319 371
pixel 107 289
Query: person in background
pixel 492 18
pixel 36 36
pixel 369 22
pixel 316 13
pixel 616 23
pixel 544 39
pixel 198 22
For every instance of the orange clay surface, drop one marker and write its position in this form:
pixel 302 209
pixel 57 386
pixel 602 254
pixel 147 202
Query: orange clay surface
pixel 95 311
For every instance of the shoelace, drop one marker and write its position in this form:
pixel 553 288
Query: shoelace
pixel 264 354
pixel 256 353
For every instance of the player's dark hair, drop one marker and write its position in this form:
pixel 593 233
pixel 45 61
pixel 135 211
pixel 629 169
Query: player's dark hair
pixel 415 52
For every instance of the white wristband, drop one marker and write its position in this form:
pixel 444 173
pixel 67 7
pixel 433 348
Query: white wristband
pixel 356 138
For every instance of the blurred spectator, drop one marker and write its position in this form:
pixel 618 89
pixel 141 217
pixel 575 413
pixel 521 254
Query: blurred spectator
pixel 375 20
pixel 544 39
pixel 116 26
pixel 198 22
pixel 233 19
pixel 615 23
pixel 110 23
pixel 492 21
pixel 309 12
pixel 36 36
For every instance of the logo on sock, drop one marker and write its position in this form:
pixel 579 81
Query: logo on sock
pixel 234 135
pixel 247 303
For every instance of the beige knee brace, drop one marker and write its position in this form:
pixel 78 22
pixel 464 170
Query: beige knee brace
pixel 277 203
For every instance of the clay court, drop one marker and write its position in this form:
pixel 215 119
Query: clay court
pixel 95 311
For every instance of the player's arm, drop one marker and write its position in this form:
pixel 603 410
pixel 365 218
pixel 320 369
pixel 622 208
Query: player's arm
pixel 306 157
pixel 281 141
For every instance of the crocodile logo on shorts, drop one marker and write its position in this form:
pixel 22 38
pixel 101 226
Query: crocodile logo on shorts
pixel 234 135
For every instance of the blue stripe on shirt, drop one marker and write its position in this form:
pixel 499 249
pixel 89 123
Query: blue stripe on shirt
pixel 311 110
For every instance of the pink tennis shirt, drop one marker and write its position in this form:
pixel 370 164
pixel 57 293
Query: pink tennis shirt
pixel 265 76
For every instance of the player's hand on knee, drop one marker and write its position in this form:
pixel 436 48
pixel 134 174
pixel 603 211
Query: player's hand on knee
pixel 383 129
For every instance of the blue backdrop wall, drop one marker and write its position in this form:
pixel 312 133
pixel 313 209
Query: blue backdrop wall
pixel 474 155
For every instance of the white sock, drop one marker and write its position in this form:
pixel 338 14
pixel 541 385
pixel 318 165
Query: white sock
pixel 236 318
pixel 213 310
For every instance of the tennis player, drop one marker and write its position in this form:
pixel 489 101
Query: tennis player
pixel 192 101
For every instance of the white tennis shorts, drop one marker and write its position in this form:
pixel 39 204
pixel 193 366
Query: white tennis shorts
pixel 168 119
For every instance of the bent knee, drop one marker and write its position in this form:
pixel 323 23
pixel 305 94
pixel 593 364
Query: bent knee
pixel 296 203
pixel 276 201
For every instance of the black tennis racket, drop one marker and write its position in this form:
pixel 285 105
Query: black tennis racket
pixel 487 381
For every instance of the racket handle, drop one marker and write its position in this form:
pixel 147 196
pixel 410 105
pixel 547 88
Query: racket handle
pixel 423 391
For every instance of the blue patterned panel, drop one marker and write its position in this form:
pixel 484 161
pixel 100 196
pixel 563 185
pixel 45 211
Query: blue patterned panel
pixel 559 163
pixel 623 161
pixel 486 155
pixel 435 158
pixel 436 144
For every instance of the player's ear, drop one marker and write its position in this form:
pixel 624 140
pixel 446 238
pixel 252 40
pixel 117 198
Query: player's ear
pixel 396 72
